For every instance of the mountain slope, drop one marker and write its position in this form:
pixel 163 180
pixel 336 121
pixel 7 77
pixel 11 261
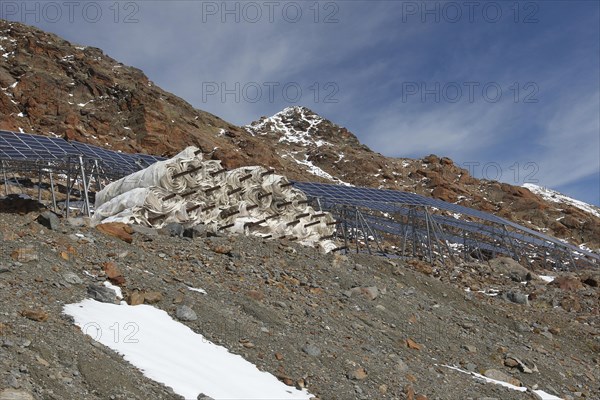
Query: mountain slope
pixel 52 87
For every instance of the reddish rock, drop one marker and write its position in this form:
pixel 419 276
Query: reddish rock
pixel 256 295
pixel 444 194
pixel 567 283
pixel 35 315
pixel 136 298
pixel 117 229
pixel 152 297
pixel 411 344
pixel 358 374
pixel 113 273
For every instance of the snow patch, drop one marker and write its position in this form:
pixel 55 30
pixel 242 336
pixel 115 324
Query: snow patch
pixel 196 290
pixel 546 278
pixel 171 353
pixel 557 197
pixel 313 169
pixel 489 380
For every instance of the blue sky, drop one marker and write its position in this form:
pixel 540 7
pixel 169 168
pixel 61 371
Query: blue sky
pixel 511 88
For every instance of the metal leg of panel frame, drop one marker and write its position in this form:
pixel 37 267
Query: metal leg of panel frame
pixel 85 187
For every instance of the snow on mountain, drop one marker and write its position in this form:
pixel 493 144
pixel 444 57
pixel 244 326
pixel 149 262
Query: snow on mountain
pixel 291 128
pixel 557 197
pixel 297 129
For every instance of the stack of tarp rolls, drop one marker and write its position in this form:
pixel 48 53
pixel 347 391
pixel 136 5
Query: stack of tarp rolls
pixel 189 190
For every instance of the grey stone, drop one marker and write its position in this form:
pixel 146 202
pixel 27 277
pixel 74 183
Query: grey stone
pixel 402 366
pixel 102 293
pixel 144 230
pixel 510 268
pixel 471 367
pixel 14 394
pixel 196 231
pixel 371 292
pixel 547 334
pixel 280 304
pixel 78 222
pixel 172 229
pixel 516 297
pixel 470 348
pixel 202 396
pixel 185 313
pixel 13 382
pixel 311 350
pixel 49 220
pixel 72 278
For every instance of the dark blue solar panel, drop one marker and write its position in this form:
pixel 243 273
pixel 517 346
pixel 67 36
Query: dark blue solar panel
pixel 389 196
pixel 29 147
pixel 390 201
pixel 112 159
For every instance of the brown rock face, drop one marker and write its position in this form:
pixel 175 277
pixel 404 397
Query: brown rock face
pixel 52 87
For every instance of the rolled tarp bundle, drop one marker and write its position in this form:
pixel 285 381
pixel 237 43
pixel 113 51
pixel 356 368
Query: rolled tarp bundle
pixel 189 191
pixel 161 174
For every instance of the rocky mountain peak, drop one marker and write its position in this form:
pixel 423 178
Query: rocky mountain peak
pixel 301 126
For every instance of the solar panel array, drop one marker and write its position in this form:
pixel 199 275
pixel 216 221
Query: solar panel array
pixel 33 147
pixel 29 147
pixel 399 203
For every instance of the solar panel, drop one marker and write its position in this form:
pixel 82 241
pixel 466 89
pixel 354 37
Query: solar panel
pixel 26 147
pixel 391 201
pixel 389 196
pixel 30 147
pixel 114 160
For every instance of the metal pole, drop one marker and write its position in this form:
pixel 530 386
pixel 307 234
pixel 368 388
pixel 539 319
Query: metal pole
pixel 97 168
pixel 52 191
pixel 39 183
pixel 5 178
pixel 85 187
pixel 365 233
pixel 343 214
pixel 428 236
pixel 356 230
pixel 67 201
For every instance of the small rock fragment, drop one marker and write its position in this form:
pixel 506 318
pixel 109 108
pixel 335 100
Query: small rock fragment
pixel 185 313
pixel 14 394
pixel 72 278
pixel 152 297
pixel 501 376
pixel 102 293
pixel 358 374
pixel 411 344
pixel 35 315
pixel 311 350
pixel 49 220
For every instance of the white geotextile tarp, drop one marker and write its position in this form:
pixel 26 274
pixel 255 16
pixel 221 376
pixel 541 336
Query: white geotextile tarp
pixel 159 174
pixel 248 200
